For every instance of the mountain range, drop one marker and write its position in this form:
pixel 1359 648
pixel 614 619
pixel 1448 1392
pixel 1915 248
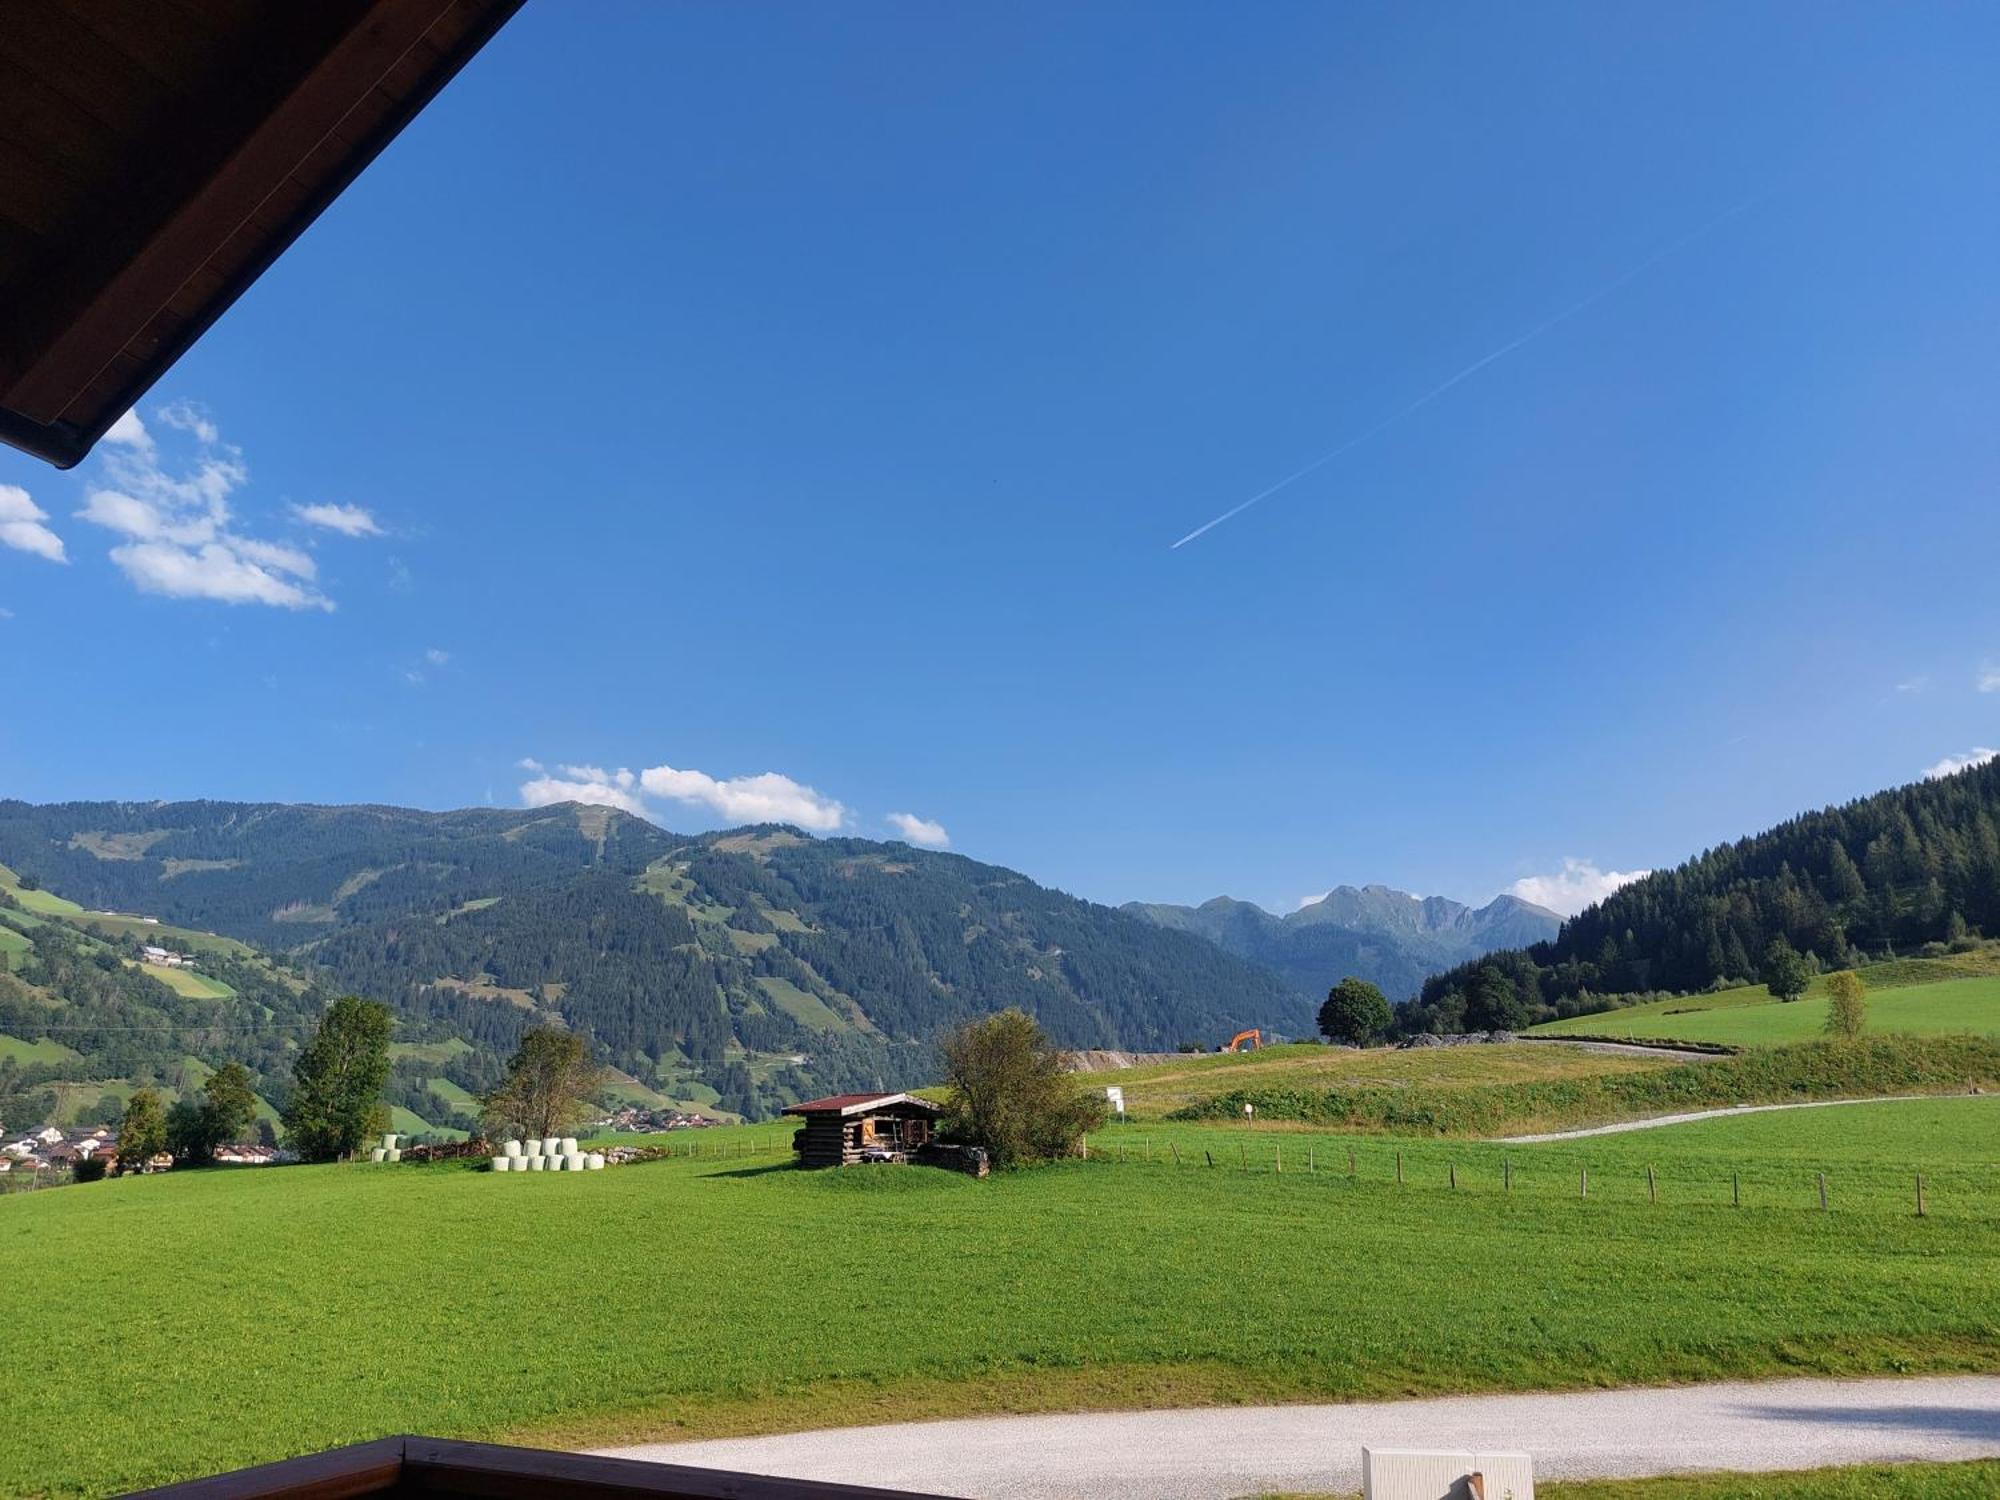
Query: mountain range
pixel 1389 937
pixel 743 969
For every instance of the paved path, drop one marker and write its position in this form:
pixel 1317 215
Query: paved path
pixel 1217 1453
pixel 1708 1114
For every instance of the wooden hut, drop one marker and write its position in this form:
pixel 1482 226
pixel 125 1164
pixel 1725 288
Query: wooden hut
pixel 848 1128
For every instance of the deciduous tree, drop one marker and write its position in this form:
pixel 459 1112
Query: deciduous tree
pixel 338 1079
pixel 1785 973
pixel 1355 1012
pixel 1010 1092
pixel 142 1134
pixel 548 1085
pixel 1846 1005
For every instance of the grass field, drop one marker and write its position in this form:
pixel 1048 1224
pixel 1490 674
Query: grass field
pixel 1910 996
pixel 1160 1088
pixel 46 1050
pixel 732 1293
pixel 187 982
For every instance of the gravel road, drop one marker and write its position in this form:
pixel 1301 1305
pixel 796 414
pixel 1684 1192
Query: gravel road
pixel 1218 1453
pixel 1656 1121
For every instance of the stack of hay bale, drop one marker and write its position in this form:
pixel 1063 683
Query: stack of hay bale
pixel 551 1155
pixel 387 1151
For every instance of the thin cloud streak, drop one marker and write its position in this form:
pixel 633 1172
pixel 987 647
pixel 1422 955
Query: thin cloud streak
pixel 1670 248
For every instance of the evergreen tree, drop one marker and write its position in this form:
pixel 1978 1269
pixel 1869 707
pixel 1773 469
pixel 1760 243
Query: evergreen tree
pixel 1785 974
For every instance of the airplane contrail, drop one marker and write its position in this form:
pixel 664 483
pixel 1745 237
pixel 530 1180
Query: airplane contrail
pixel 1475 367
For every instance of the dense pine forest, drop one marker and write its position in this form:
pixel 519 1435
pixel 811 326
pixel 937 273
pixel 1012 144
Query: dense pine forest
pixel 1890 873
pixel 760 964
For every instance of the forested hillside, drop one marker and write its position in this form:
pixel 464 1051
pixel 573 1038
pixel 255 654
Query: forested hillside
pixel 1888 873
pixel 1388 937
pixel 748 968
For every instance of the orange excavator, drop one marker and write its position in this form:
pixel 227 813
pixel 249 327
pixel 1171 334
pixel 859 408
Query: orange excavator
pixel 1253 1037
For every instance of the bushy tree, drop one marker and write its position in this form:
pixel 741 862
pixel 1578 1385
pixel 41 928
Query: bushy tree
pixel 338 1079
pixel 1492 1003
pixel 548 1085
pixel 189 1139
pixel 142 1134
pixel 230 1102
pixel 1785 973
pixel 1355 1012
pixel 1846 1005
pixel 1010 1093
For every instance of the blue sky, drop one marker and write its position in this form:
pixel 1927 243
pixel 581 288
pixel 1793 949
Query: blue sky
pixel 814 394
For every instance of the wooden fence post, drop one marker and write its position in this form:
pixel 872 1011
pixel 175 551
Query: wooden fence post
pixel 1583 1182
pixel 1312 1160
pixel 1452 1168
pixel 1507 1173
pixel 1652 1189
pixel 1086 1147
pixel 1920 1195
pixel 1175 1147
pixel 1399 1169
pixel 1211 1157
pixel 1735 1190
pixel 1350 1161
pixel 1822 1192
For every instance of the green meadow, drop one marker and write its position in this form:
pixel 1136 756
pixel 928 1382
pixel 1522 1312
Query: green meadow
pixel 728 1292
pixel 1913 997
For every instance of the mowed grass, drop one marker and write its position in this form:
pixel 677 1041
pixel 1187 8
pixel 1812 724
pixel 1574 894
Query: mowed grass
pixel 187 982
pixel 1751 1018
pixel 1160 1088
pixel 733 1293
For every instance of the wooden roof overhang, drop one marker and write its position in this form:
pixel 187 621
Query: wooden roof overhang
pixel 437 1466
pixel 156 156
pixel 861 1104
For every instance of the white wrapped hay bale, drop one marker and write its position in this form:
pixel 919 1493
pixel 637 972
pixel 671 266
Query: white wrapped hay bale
pixel 536 1163
pixel 569 1145
pixel 595 1161
pixel 513 1149
pixel 573 1162
pixel 500 1163
pixel 377 1154
pixel 389 1143
pixel 534 1147
pixel 395 1155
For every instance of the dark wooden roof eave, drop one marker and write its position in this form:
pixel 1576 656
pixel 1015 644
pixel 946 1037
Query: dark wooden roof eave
pixel 97 334
pixel 441 1466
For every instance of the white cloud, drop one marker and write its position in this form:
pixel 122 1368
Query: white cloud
pixel 181 538
pixel 1578 884
pixel 130 431
pixel 189 417
pixel 1913 684
pixel 765 798
pixel 5 613
pixel 1989 679
pixel 925 831
pixel 437 657
pixel 1951 765
pixel 348 520
pixel 583 784
pixel 21 525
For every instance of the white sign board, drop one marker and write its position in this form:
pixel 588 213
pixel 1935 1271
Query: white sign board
pixel 1117 1097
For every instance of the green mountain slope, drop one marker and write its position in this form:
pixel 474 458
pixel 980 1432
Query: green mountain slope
pixel 749 967
pixel 1890 873
pixel 1387 936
